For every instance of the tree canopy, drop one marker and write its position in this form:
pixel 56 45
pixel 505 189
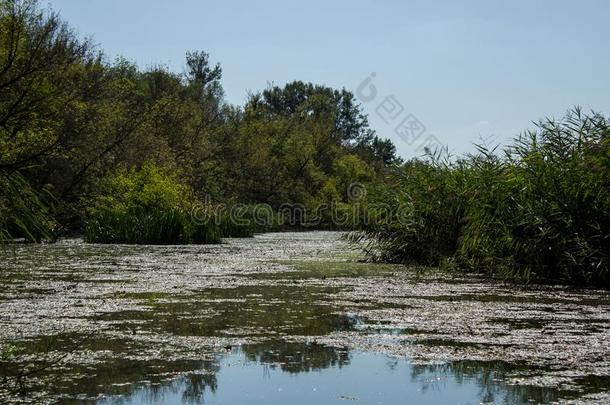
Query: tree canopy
pixel 69 118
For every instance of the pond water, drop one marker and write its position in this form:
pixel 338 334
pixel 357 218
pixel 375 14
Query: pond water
pixel 364 377
pixel 285 318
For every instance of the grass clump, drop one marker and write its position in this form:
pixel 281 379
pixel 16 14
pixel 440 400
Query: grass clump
pixel 142 227
pixel 538 211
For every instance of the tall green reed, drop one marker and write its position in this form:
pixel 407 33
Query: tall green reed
pixel 540 210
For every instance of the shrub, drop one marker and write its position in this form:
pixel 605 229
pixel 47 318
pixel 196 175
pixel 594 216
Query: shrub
pixel 244 220
pixel 146 206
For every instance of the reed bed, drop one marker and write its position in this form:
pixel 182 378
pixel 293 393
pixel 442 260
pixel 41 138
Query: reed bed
pixel 537 210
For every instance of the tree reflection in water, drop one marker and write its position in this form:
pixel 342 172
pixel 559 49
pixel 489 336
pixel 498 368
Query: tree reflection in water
pixel 480 381
pixel 293 357
pixel 489 376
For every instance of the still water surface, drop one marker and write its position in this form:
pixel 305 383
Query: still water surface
pixel 285 318
pixel 367 378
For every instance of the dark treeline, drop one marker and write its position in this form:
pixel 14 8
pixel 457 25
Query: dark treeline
pixel 82 139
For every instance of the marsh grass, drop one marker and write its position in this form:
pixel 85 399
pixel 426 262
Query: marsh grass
pixel 236 229
pixel 114 224
pixel 139 226
pixel 540 210
pixel 156 227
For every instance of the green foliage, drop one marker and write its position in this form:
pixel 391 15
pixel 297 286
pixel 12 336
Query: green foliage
pixel 8 352
pixel 544 211
pixel 158 227
pixel 204 232
pixel 287 144
pixel 243 220
pixel 24 211
pixel 146 206
pixel 349 171
pixel 68 119
pixel 39 58
pixel 236 228
pixel 540 212
pixel 418 221
pixel 148 188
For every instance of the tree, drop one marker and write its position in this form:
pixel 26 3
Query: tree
pixel 39 56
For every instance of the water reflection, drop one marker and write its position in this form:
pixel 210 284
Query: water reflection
pixel 486 377
pixel 292 357
pixel 304 373
pixel 278 372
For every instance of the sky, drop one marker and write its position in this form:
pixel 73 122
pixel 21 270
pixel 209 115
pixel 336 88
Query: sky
pixel 427 73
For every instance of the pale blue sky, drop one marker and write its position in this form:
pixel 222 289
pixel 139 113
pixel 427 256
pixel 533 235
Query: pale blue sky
pixel 465 69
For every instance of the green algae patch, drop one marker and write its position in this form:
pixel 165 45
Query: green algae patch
pixel 304 269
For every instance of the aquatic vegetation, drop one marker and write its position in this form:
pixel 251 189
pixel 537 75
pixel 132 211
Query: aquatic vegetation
pixel 231 228
pixel 7 352
pixel 164 315
pixel 158 227
pixel 244 220
pixel 540 211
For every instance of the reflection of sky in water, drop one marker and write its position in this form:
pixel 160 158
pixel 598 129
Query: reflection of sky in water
pixel 357 377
